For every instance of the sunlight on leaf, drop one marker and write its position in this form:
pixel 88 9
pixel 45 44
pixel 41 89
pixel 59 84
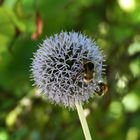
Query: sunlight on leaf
pixel 12 117
pixel 9 3
pixel 135 67
pixel 127 5
pixel 3 135
pixel 25 102
pixel 133 134
pixel 116 109
pixel 134 48
pixel 131 102
pixel 103 28
pixel 86 112
pixel 122 81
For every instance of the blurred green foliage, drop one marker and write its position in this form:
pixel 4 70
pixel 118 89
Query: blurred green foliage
pixel 115 26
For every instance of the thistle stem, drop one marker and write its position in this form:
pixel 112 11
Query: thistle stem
pixel 83 121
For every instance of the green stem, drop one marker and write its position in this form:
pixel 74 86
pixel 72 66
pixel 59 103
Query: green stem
pixel 83 121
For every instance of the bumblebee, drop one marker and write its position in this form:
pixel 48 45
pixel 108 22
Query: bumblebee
pixel 88 76
pixel 102 88
pixel 88 71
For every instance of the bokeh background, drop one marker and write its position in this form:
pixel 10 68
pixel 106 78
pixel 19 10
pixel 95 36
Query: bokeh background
pixel 113 24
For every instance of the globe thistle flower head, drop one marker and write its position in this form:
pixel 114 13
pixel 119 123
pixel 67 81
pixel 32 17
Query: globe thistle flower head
pixel 57 68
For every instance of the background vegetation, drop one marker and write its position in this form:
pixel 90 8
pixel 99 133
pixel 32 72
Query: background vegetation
pixel 114 24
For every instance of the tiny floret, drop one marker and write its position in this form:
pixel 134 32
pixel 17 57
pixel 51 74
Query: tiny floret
pixel 57 68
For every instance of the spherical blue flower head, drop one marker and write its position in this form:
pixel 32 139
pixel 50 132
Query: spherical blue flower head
pixel 57 68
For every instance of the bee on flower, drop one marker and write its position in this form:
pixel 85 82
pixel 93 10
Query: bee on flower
pixel 67 68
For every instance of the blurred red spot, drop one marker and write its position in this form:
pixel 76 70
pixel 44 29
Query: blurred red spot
pixel 39 27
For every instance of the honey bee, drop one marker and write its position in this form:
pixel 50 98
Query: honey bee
pixel 88 71
pixel 101 89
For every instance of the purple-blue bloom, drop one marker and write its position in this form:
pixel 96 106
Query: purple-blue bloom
pixel 57 64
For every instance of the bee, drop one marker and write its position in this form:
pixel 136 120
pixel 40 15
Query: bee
pixel 88 71
pixel 102 88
